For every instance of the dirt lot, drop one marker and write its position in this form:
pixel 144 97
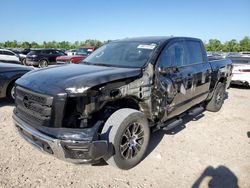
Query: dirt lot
pixel 213 151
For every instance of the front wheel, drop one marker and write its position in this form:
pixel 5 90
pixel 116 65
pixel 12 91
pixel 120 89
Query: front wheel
pixel 215 104
pixel 127 130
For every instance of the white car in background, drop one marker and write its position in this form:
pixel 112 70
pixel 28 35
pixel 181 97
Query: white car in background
pixel 71 52
pixel 241 70
pixel 9 56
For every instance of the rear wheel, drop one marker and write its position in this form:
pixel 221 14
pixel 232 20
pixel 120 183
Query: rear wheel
pixel 127 130
pixel 43 63
pixel 215 104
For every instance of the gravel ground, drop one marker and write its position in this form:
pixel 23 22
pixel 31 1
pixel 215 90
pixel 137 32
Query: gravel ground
pixel 213 151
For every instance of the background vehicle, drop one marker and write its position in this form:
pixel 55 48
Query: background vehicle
pixel 70 52
pixel 106 106
pixel 8 56
pixel 241 70
pixel 43 57
pixel 22 53
pixel 80 55
pixel 245 54
pixel 9 73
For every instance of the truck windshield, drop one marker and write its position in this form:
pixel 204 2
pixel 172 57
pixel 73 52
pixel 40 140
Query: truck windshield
pixel 122 54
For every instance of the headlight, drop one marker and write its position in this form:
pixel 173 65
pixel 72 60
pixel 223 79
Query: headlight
pixel 73 90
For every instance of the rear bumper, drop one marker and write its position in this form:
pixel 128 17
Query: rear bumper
pixel 75 151
pixel 32 62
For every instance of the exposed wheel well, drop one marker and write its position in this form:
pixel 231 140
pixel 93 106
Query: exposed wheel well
pixel 43 59
pixel 222 80
pixel 124 103
pixel 112 106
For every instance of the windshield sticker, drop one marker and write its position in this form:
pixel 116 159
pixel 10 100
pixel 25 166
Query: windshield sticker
pixel 146 46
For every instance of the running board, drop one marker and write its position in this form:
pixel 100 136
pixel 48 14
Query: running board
pixel 172 124
pixel 195 111
pixel 168 125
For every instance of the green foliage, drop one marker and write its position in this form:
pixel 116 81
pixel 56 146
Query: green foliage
pixel 229 46
pixel 245 44
pixel 212 45
pixel 51 44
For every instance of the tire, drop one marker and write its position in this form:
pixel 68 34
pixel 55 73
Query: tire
pixel 24 61
pixel 11 92
pixel 215 104
pixel 128 149
pixel 43 63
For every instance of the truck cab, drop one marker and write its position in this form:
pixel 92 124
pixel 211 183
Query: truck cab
pixel 107 106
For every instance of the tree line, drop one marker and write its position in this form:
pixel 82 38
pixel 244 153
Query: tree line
pixel 52 44
pixel 229 46
pixel 212 45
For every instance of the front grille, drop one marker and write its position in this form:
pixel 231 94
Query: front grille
pixel 33 107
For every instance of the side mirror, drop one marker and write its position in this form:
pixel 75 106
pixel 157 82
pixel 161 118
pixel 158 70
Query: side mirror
pixel 163 70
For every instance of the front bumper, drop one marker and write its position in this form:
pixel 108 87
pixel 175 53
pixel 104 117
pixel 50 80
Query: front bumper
pixel 75 151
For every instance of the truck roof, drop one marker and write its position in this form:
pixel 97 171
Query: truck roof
pixel 154 39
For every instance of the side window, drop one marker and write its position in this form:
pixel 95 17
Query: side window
pixel 57 52
pixel 8 53
pixel 44 52
pixel 194 52
pixel 54 52
pixel 172 55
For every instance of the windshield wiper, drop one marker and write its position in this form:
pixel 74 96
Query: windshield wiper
pixel 102 64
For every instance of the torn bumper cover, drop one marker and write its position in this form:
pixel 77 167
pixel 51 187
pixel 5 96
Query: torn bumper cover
pixel 66 144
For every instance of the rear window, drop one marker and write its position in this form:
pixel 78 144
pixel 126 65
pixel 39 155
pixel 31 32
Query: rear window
pixel 193 52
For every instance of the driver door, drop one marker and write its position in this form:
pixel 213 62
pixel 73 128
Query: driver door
pixel 173 79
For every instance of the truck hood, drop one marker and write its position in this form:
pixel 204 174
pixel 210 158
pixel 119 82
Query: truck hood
pixel 59 79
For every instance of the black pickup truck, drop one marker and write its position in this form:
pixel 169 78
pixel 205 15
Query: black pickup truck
pixel 107 106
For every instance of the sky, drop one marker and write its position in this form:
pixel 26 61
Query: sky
pixel 78 20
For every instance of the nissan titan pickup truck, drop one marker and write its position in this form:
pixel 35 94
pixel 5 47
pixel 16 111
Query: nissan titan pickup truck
pixel 106 107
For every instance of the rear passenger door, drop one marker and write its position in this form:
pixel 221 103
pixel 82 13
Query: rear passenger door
pixel 55 54
pixel 197 71
pixel 48 54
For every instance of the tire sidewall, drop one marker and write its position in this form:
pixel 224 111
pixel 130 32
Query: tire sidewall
pixel 220 88
pixel 115 136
